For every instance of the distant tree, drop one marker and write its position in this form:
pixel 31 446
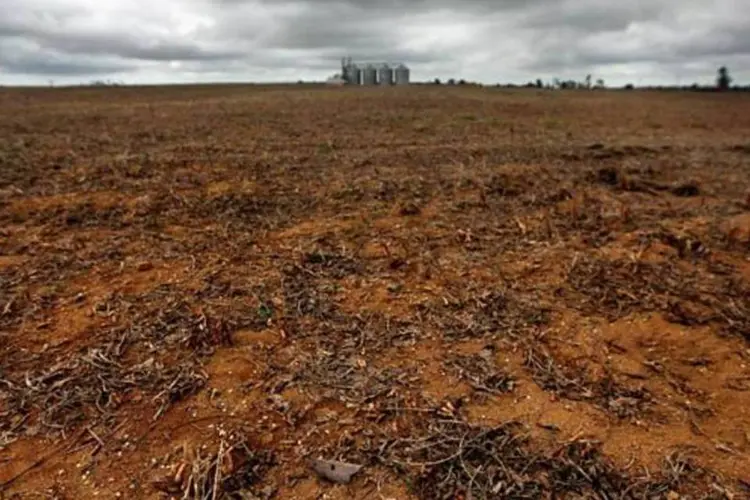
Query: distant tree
pixel 556 83
pixel 723 80
pixel 539 83
pixel 629 86
pixel 462 82
pixel 452 81
pixel 600 83
pixel 588 81
pixel 437 81
pixel 569 84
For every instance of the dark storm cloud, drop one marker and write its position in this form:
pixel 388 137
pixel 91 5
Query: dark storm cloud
pixel 665 43
pixel 410 6
pixel 721 41
pixel 53 33
pixel 478 39
pixel 590 17
pixel 19 56
pixel 54 67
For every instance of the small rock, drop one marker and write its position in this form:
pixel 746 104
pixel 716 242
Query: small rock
pixel 338 472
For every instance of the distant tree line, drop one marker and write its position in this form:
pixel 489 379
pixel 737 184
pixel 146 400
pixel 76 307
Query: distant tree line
pixel 104 83
pixel 723 83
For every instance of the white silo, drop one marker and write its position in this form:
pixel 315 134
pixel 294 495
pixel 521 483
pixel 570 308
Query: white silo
pixel 401 74
pixel 385 75
pixel 369 75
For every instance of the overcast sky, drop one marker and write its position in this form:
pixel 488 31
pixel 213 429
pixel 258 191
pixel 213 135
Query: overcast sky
pixel 150 41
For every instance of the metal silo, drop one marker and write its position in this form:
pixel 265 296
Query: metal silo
pixel 351 74
pixel 369 75
pixel 401 75
pixel 356 75
pixel 385 75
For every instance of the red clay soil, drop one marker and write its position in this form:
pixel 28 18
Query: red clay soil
pixel 472 293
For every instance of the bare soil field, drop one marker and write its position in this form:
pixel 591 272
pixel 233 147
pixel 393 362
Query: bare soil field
pixel 470 293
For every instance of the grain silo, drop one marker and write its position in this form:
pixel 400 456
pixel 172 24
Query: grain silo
pixel 352 74
pixel 369 75
pixel 385 75
pixel 401 75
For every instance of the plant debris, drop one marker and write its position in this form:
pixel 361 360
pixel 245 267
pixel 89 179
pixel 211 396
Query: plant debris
pixel 450 457
pixel 605 392
pixel 480 372
pixel 234 470
pixel 462 308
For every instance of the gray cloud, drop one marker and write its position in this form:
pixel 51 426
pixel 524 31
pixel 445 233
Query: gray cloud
pixel 669 43
pixel 19 56
pixel 50 66
pixel 586 16
pixel 62 33
pixel 656 41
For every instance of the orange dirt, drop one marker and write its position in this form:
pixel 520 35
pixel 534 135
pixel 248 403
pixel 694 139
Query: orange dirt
pixel 273 275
